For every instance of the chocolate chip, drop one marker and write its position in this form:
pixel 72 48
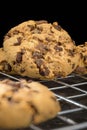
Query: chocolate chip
pixel 19 57
pixel 59 43
pixel 6 66
pixel 44 72
pixel 22 70
pixel 69 60
pixel 81 55
pixel 9 99
pixel 71 52
pixel 13 62
pixel 31 27
pixel 85 58
pixel 42 48
pixel 73 65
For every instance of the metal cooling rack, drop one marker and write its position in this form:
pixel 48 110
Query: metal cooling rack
pixel 71 92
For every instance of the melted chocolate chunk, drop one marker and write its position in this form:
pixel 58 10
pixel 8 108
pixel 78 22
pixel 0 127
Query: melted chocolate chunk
pixel 31 27
pixel 9 99
pixel 13 62
pixel 44 72
pixel 71 52
pixel 40 29
pixel 6 66
pixel 73 65
pixel 19 57
pixel 22 70
pixel 85 58
pixel 81 55
pixel 69 60
pixel 42 48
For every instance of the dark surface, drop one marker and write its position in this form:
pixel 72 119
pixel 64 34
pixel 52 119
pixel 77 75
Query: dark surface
pixel 71 16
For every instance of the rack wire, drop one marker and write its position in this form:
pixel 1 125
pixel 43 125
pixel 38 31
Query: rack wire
pixel 71 92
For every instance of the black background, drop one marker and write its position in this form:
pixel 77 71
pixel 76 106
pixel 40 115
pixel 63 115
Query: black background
pixel 71 16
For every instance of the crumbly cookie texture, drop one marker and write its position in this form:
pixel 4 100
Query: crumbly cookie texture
pixel 4 65
pixel 24 103
pixel 82 65
pixel 39 49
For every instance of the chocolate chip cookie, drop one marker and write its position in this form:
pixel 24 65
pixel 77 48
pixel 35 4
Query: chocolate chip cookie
pixel 82 65
pixel 39 49
pixel 23 103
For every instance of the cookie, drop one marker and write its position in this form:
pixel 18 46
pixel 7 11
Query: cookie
pixel 39 49
pixel 4 65
pixel 23 103
pixel 82 65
